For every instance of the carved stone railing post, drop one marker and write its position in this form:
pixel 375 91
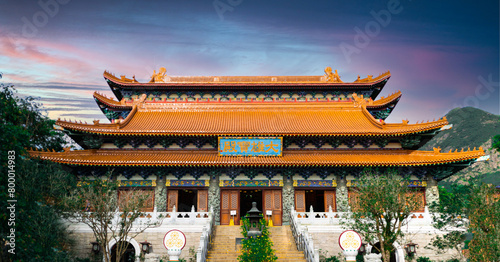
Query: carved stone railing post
pixel 330 215
pixel 192 215
pixel 311 215
pixel 201 248
pixel 174 214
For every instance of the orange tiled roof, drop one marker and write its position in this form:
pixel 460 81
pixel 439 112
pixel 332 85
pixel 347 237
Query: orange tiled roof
pixel 245 80
pixel 249 119
pixel 289 158
pixel 384 101
pixel 111 102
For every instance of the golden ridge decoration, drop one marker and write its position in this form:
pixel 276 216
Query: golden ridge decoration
pixel 332 77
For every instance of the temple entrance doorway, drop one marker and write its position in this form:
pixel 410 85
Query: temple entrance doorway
pixel 128 255
pixel 320 200
pixel 235 203
pixel 316 199
pixel 185 198
pixel 246 199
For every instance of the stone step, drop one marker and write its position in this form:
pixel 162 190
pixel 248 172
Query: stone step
pixel 227 256
pixel 235 258
pixel 224 246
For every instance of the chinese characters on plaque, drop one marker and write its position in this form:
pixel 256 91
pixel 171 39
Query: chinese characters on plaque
pixel 250 146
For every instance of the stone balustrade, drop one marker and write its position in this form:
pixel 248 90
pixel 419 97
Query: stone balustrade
pixel 311 218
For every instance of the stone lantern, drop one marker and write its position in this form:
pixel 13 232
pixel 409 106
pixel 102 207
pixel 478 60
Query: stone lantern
pixel 254 216
pixel 95 247
pixel 411 249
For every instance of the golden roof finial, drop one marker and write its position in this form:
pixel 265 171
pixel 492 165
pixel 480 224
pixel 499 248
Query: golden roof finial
pixel 161 77
pixel 332 77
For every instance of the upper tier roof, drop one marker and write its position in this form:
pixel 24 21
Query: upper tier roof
pixel 235 81
pixel 251 119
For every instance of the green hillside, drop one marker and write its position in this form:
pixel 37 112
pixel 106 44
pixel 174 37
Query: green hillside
pixel 472 127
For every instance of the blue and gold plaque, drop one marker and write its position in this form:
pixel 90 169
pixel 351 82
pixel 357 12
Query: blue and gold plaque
pixel 250 146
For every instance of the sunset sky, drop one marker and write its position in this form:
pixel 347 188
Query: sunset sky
pixel 441 54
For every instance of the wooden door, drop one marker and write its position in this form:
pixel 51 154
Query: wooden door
pixel 202 200
pixel 330 200
pixel 230 201
pixel 172 200
pixel 300 200
pixel 352 194
pixel 272 202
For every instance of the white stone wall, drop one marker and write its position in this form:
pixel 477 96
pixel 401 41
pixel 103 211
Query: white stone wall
pixel 329 241
pixel 82 236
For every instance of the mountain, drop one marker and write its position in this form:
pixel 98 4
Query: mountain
pixel 472 127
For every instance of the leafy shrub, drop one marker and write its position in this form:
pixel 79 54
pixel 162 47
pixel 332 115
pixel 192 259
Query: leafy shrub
pixel 323 257
pixel 259 248
pixel 423 259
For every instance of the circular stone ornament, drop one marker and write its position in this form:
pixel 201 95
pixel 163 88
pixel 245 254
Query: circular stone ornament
pixel 350 240
pixel 174 240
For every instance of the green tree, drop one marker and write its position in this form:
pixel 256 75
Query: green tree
pixel 496 143
pixel 468 209
pixel 96 204
pixel 35 186
pixel 450 214
pixel 23 125
pixel 484 218
pixel 258 248
pixel 383 206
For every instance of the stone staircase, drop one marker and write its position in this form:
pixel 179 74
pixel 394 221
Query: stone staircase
pixel 224 247
pixel 224 244
pixel 284 244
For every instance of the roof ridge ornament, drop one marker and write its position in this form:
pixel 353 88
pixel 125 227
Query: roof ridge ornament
pixel 332 77
pixel 160 77
pixel 359 100
pixel 140 99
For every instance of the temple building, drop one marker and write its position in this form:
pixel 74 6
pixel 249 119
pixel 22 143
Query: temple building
pixel 293 144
